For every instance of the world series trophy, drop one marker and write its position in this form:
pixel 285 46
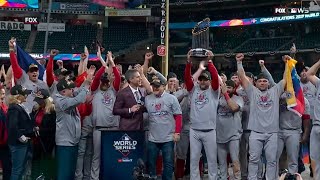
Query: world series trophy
pixel 200 39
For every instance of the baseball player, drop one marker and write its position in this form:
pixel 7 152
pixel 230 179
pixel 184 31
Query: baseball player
pixel 290 133
pixel 102 106
pixel 28 80
pixel 244 141
pixel 204 99
pixel 183 145
pixel 229 129
pixel 263 120
pixel 60 73
pixel 165 124
pixel 315 131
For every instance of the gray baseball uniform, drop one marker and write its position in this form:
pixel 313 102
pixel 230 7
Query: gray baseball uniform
pixel 290 133
pixel 244 141
pixel 229 131
pixel 264 126
pixel 183 144
pixel 309 92
pixel 203 114
pixel 53 88
pixel 102 117
pixel 68 125
pixel 161 112
pixel 315 133
pixel 33 86
pixel 83 170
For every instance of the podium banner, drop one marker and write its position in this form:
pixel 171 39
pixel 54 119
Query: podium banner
pixel 120 151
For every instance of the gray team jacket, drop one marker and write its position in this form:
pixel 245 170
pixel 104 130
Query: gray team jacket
pixel 68 124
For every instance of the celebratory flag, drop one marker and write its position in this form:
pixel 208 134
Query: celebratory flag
pixel 25 60
pixel 305 153
pixel 295 97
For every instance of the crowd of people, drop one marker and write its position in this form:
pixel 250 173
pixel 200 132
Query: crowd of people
pixel 243 121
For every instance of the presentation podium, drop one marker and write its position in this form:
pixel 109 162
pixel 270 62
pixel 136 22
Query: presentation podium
pixel 120 151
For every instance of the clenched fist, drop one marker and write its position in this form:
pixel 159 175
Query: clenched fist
pixel 239 57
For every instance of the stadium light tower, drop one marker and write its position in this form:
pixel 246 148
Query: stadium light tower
pixel 47 30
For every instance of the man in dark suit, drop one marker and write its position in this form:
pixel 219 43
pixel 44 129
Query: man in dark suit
pixel 130 100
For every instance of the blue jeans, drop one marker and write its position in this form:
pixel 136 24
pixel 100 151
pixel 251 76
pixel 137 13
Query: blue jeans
pixel 66 162
pixel 19 157
pixel 167 155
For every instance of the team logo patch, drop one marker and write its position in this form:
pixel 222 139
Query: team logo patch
pixel 201 99
pixel 158 107
pixel 107 100
pixel 264 101
pixel 158 110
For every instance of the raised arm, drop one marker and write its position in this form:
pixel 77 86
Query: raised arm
pixel 151 70
pixel 187 74
pixel 8 80
pixel 311 73
pixel 80 67
pixel 85 62
pixel 201 68
pixel 244 80
pixel 265 72
pixel 3 72
pixel 147 58
pixel 72 102
pixel 145 82
pixel 284 79
pixel 16 69
pixel 49 68
pixel 231 103
pixel 214 74
pixel 96 80
pixel 116 73
pixel 67 103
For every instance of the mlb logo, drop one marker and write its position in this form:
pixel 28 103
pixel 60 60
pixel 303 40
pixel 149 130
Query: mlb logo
pixel 294 10
pixel 125 138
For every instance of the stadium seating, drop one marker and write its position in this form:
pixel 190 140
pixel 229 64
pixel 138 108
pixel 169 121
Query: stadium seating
pixel 72 40
pixel 264 44
pixel 21 36
pixel 116 37
pixel 121 36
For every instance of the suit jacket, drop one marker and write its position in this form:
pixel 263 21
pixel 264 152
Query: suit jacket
pixel 19 123
pixel 128 121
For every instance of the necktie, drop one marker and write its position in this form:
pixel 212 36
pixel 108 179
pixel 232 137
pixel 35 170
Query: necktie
pixel 136 94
